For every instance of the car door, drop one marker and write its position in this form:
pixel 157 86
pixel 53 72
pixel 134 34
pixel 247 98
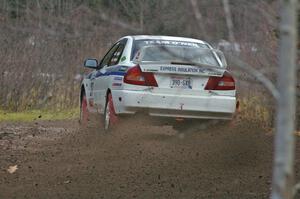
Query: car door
pixel 102 80
pixel 108 72
pixel 98 80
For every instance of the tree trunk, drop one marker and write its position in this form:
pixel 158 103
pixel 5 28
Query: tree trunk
pixel 229 21
pixel 284 140
pixel 199 18
pixel 142 5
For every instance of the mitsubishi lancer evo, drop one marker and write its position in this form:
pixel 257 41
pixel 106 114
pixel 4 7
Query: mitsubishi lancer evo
pixel 164 76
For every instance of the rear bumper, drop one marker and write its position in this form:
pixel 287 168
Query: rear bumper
pixel 174 105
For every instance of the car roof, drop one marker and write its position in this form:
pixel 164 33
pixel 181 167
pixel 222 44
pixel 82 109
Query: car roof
pixel 161 37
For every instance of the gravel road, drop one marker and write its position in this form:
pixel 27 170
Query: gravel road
pixel 60 159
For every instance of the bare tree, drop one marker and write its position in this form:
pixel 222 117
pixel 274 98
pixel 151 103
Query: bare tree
pixel 228 20
pixel 198 17
pixel 142 3
pixel 283 174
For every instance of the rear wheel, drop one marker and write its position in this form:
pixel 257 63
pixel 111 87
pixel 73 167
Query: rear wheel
pixel 84 114
pixel 110 117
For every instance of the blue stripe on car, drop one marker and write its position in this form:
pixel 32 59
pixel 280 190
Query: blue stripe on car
pixel 99 74
pixel 118 71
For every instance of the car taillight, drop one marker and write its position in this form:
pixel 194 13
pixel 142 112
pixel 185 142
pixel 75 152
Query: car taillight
pixel 135 76
pixel 226 82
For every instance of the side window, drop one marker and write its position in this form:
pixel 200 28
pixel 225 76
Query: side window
pixel 108 55
pixel 116 55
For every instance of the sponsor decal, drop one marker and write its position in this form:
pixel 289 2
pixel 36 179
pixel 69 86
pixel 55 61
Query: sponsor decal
pixel 123 68
pixel 214 73
pixel 151 70
pixel 174 43
pixel 188 70
pixel 117 84
pixel 118 78
pixel 168 68
pixel 123 58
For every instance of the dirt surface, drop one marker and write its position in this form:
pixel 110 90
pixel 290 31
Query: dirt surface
pixel 63 160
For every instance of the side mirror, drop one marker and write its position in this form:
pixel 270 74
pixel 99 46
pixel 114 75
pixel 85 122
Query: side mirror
pixel 91 63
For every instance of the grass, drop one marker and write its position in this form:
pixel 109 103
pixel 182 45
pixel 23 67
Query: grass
pixel 256 109
pixel 38 115
pixel 251 108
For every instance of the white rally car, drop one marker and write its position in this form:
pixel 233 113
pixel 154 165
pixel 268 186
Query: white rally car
pixel 160 75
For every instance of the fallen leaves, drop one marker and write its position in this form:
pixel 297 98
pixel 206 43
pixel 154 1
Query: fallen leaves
pixel 67 182
pixel 12 169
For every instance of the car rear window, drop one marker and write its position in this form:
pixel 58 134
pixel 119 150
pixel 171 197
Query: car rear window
pixel 175 51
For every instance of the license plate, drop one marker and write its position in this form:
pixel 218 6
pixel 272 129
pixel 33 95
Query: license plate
pixel 181 82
